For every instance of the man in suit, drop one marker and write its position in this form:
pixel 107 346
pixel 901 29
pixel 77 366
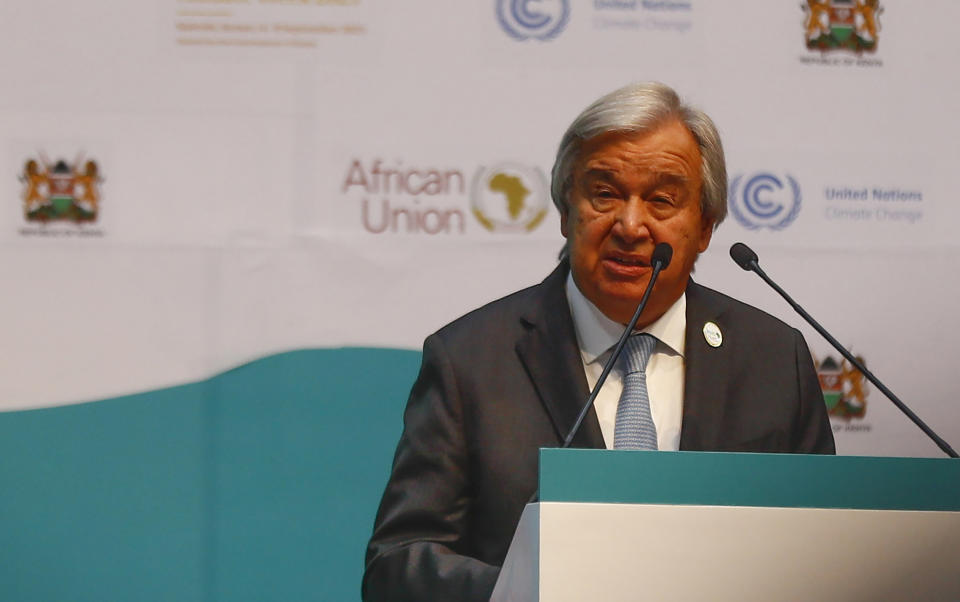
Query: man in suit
pixel 636 168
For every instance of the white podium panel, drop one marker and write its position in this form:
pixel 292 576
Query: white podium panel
pixel 626 552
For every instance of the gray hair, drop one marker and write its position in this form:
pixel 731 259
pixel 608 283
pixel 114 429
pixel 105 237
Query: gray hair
pixel 641 107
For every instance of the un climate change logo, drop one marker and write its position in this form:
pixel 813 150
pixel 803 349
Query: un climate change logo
pixel 764 200
pixel 539 19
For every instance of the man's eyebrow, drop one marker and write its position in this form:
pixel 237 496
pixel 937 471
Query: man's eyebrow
pixel 599 173
pixel 660 179
pixel 671 178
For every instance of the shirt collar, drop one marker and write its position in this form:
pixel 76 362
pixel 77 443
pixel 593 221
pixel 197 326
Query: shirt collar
pixel 596 333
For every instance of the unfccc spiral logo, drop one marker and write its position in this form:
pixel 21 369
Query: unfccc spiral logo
pixel 538 19
pixel 765 200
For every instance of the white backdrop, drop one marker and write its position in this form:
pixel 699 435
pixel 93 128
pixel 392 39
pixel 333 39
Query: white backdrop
pixel 228 135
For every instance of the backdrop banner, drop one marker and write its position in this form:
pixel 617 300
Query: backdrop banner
pixel 220 217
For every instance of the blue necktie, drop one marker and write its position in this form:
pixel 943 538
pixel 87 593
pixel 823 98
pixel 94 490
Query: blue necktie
pixel 634 427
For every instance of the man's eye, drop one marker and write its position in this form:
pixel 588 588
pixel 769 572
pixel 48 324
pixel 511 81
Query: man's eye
pixel 604 199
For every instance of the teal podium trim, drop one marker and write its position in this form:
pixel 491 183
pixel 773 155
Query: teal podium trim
pixel 749 479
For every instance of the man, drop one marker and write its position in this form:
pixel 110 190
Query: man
pixel 636 168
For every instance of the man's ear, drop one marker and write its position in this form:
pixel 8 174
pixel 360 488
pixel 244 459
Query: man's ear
pixel 564 215
pixel 706 233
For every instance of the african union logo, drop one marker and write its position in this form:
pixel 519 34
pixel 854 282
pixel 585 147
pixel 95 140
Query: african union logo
pixel 539 19
pixel 509 197
pixel 764 201
pixel 60 191
pixel 844 388
pixel 842 24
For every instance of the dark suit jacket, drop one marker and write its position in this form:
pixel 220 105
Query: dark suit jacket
pixel 507 379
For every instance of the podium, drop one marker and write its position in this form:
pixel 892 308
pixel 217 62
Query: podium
pixel 633 525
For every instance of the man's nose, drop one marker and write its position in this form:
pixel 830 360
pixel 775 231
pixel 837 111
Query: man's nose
pixel 632 221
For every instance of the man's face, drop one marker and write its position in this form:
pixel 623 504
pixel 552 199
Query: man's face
pixel 630 192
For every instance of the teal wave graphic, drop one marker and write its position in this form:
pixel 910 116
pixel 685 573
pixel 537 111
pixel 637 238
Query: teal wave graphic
pixel 260 483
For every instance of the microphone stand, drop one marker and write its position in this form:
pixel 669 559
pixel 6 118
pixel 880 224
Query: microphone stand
pixel 751 263
pixel 657 267
pixel 659 261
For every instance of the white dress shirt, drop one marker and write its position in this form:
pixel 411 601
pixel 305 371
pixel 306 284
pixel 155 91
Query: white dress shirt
pixel 598 334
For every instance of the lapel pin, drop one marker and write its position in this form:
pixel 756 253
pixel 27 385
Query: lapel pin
pixel 711 332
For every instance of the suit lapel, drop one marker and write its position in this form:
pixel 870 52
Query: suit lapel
pixel 549 352
pixel 706 372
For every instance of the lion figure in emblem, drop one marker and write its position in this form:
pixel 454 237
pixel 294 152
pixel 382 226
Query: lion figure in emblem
pixel 818 18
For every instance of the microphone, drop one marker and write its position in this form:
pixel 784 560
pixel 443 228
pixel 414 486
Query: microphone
pixel 659 260
pixel 745 257
pixel 662 254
